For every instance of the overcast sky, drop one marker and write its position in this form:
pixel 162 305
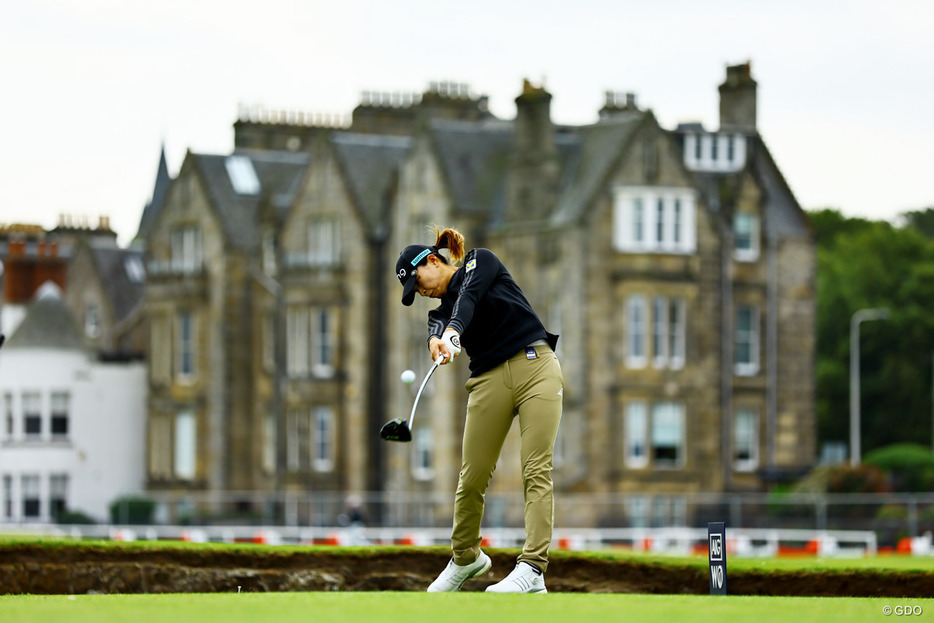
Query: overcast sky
pixel 90 89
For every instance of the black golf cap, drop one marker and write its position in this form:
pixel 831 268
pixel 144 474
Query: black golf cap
pixel 409 260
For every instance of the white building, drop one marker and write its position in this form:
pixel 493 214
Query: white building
pixel 73 433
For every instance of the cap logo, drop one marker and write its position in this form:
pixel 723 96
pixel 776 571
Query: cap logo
pixel 401 274
pixel 420 256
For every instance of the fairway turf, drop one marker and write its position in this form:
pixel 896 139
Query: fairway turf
pixel 470 607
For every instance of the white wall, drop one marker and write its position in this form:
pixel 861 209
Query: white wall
pixel 103 453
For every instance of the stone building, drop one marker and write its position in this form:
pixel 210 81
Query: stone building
pixel 676 265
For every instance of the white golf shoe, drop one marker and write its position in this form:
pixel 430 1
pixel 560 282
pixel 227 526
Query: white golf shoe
pixel 525 578
pixel 454 576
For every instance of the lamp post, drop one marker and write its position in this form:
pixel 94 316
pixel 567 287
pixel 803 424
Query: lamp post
pixel 860 316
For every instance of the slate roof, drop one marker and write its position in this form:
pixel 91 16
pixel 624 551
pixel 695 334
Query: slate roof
pixel 161 187
pixel 369 164
pixel 279 173
pixel 48 323
pixel 474 158
pixel 600 147
pixel 123 290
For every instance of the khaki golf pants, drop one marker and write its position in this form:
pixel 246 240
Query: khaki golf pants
pixel 532 390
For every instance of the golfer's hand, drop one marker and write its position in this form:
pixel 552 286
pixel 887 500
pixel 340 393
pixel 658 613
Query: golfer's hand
pixel 435 345
pixel 451 343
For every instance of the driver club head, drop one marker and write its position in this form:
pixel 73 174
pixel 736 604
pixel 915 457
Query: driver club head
pixel 396 430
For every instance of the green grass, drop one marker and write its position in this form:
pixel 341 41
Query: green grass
pixel 454 607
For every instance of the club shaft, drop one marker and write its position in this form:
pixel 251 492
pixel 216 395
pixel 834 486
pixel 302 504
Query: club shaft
pixel 425 382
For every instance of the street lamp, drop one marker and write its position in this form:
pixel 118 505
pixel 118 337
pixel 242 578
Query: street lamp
pixel 861 315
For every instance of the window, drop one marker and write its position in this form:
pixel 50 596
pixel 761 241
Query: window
pixel 714 145
pixel 676 332
pixel 242 175
pixel 637 432
pixel 746 355
pixel 297 341
pixel 32 506
pixel 668 434
pixel 298 450
pixel 323 347
pixel 726 152
pixel 32 415
pixel 269 443
pixel 323 460
pixel 663 331
pixel 422 468
pixel 8 414
pixel 185 445
pixel 133 266
pixel 660 341
pixel 186 250
pixel 186 345
pixel 731 149
pixel 323 242
pixel 7 496
pixel 92 320
pixel 745 236
pixel 698 146
pixel 60 402
pixel 637 510
pixel 648 219
pixel 745 439
pixel 636 331
pixel 58 495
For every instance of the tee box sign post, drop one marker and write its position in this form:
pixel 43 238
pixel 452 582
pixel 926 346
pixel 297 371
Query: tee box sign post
pixel 716 541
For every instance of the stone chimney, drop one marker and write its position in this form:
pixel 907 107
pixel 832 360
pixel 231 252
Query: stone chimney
pixel 534 167
pixel 738 100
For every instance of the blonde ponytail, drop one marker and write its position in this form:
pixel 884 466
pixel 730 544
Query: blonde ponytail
pixel 452 240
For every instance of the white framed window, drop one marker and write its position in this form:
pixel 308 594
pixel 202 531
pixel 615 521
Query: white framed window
pixel 422 461
pixel 745 439
pixel 637 511
pixel 323 422
pixel 637 434
pixel 185 346
pixel 60 404
pixel 31 491
pixel 187 255
pixel 323 343
pixel 677 314
pixel 668 434
pixel 186 445
pixel 648 219
pixel 660 342
pixel 324 241
pixel 746 351
pixel 58 495
pixel 745 236
pixel 636 331
pixel 32 414
pixel 297 341
pixel 707 151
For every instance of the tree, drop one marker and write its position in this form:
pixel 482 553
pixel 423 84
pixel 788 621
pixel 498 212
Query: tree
pixel 874 264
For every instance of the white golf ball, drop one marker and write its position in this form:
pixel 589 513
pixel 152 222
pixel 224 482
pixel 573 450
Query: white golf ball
pixel 408 377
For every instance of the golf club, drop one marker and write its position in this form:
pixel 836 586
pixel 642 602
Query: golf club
pixel 399 429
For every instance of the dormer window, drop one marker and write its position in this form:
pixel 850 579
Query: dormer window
pixel 712 151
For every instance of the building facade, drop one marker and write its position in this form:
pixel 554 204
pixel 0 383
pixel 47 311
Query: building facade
pixel 676 265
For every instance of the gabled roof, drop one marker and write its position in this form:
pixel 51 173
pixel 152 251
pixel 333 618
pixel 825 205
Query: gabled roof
pixel 369 164
pixel 279 174
pixel 163 179
pixel 48 324
pixel 601 146
pixel 474 159
pixel 122 284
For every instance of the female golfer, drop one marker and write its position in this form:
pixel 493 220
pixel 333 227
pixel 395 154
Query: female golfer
pixel 513 373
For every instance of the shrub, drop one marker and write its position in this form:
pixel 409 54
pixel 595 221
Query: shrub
pixel 132 510
pixel 911 466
